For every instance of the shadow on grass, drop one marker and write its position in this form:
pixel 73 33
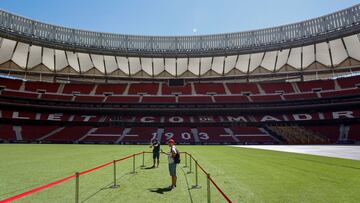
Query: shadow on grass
pixel 107 186
pixel 160 190
pixel 149 167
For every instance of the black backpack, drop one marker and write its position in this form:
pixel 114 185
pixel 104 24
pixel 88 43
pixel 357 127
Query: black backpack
pixel 177 157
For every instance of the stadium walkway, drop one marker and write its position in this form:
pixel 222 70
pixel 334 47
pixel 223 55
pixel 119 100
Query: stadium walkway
pixel 337 151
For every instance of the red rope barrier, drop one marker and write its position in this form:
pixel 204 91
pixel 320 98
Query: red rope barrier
pixel 213 182
pixel 62 180
pixel 217 187
pixel 36 189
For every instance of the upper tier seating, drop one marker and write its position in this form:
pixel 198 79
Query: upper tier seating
pixel 341 93
pixel 110 88
pixel 349 82
pixel 277 87
pixel 309 86
pixel 145 88
pixel 10 83
pixel 159 99
pixel 300 96
pixel 90 99
pixel 230 99
pixel 261 98
pixel 44 86
pixel 20 94
pixel 195 99
pixel 57 97
pixel 167 90
pixel 122 99
pixel 206 88
pixel 239 88
pixel 78 88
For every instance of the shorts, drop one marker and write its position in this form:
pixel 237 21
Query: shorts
pixel 172 169
pixel 156 155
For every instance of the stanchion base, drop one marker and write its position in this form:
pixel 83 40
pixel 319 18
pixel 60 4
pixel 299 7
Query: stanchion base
pixel 115 186
pixel 196 187
pixel 133 172
pixel 184 166
pixel 189 172
pixel 142 166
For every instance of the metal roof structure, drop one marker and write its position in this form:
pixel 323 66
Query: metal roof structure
pixel 327 44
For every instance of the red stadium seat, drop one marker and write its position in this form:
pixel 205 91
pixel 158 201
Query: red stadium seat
pixel 231 99
pixel 309 86
pixel 167 90
pixel 349 82
pixel 19 94
pixel 110 88
pixel 46 86
pixel 206 88
pixel 239 88
pixel 13 84
pixel 146 88
pixel 158 99
pixel 78 88
pixel 195 99
pixel 283 87
pixel 122 99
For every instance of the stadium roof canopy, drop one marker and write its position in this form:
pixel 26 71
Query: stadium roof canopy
pixel 326 45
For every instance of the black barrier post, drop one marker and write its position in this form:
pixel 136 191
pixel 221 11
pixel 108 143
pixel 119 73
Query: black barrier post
pixel 143 160
pixel 208 188
pixel 190 163
pixel 115 185
pixel 196 186
pixel 185 160
pixel 133 164
pixel 77 187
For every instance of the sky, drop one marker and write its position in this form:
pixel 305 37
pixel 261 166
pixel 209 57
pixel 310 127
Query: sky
pixel 172 17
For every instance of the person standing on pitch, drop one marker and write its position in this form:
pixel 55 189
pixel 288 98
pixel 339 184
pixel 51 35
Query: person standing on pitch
pixel 172 164
pixel 155 144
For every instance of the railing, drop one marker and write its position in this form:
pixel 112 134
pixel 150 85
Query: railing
pixel 77 175
pixel 39 31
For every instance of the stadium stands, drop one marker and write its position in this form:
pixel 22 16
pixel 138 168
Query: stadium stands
pixel 144 88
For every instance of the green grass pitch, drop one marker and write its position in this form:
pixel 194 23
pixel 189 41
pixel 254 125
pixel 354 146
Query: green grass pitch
pixel 245 175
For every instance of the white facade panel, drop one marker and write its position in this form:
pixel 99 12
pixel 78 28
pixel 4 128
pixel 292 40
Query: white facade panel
pixel 182 65
pixel 6 50
pixel 110 64
pixel 60 60
pixel 255 61
pixel 205 64
pixel 20 54
pixel 283 56
pixel 98 61
pixel 295 58
pixel 230 63
pixel 34 56
pixel 158 65
pixel 218 64
pixel 85 62
pixel 322 54
pixel 134 65
pixel 269 60
pixel 308 55
pixel 123 63
pixel 338 52
pixel 243 63
pixel 73 60
pixel 352 44
pixel 170 65
pixel 146 65
pixel 48 58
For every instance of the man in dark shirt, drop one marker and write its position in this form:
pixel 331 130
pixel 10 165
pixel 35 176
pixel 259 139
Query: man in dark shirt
pixel 155 144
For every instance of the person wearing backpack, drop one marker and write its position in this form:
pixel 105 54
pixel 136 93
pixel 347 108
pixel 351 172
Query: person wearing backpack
pixel 174 158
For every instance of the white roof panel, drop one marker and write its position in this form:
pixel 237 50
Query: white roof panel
pixel 230 63
pixel 20 54
pixel 282 59
pixel 205 65
pixel 85 62
pixel 98 61
pixel 123 64
pixel 170 65
pixel 60 59
pixel 308 55
pixel 73 60
pixel 338 52
pixel 146 64
pixel 158 65
pixel 34 56
pixel 48 58
pixel 353 46
pixel 194 65
pixel 269 60
pixel 182 64
pixel 295 58
pixel 6 50
pixel 243 63
pixel 134 65
pixel 322 54
pixel 255 61
pixel 110 64
pixel 218 64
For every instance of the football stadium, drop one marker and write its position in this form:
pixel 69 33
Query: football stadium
pixel 265 115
